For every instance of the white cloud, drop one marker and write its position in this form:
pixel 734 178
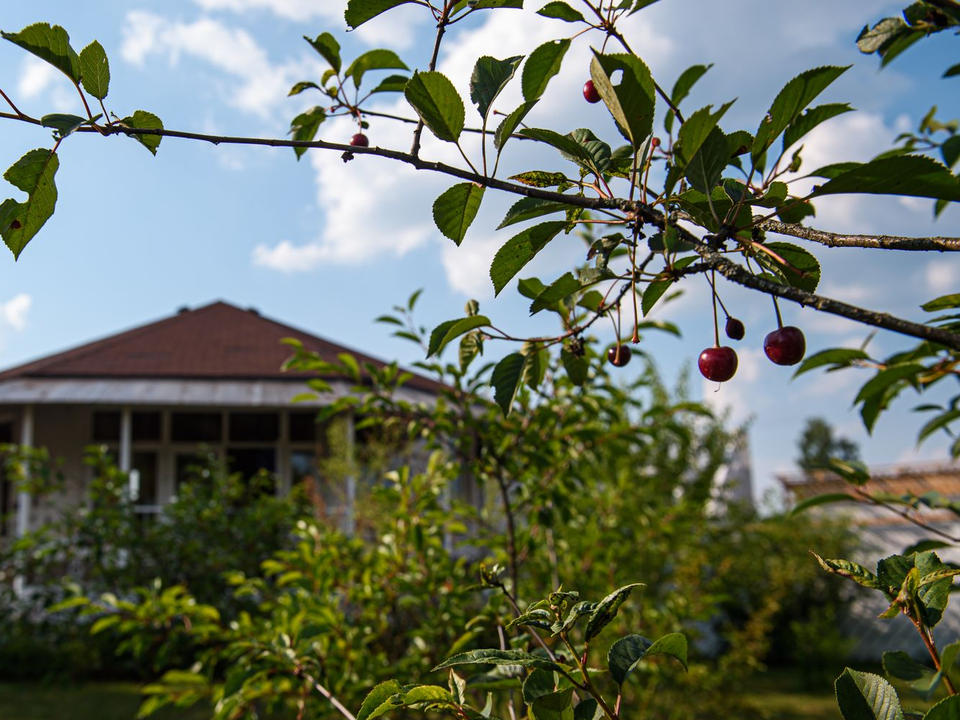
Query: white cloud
pixel 13 312
pixel 37 75
pixel 289 9
pixel 261 85
pixel 943 275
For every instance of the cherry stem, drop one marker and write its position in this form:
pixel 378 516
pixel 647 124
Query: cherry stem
pixel 776 308
pixel 716 324
pixel 712 280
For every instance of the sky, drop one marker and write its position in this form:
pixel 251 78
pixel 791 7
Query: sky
pixel 328 246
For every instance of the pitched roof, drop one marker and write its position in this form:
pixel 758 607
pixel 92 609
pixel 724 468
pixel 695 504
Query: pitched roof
pixel 217 341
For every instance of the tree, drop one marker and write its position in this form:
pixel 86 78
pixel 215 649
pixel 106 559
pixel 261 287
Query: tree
pixel 817 444
pixel 697 199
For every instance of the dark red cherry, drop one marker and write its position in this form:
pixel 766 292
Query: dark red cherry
pixel 619 355
pixel 718 364
pixel 734 329
pixel 590 93
pixel 785 346
pixel 360 140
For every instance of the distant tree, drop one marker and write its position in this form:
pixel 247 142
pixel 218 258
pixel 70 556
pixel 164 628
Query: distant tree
pixel 817 444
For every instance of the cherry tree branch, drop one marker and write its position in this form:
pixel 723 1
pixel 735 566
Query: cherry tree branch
pixel 883 242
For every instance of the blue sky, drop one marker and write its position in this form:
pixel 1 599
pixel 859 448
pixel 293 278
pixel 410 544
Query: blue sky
pixel 328 247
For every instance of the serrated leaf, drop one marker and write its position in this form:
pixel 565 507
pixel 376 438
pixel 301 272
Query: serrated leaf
pixel 560 11
pixel 490 76
pixel 448 331
pixel 301 86
pixel 51 44
pixel 33 174
pixel 391 83
pixel 681 89
pixel 624 656
pixel 886 377
pixel 944 302
pixel 705 168
pixel 455 210
pixel 360 11
pixel 539 683
pixel 865 696
pixel 95 70
pixel 792 100
pixel 540 178
pixel 304 127
pixel 530 208
pixel 498 657
pixel 576 366
pixel 554 706
pixel 519 250
pixel 850 570
pixel 906 175
pixel 438 104
pixel 672 644
pixel 63 124
pixel 542 65
pixel 327 46
pixel 946 709
pixel 806 274
pixel 696 131
pixel 607 609
pixel 374 60
pixel 631 102
pixel 817 500
pixel 809 119
pixel 143 120
pixel 506 381
pixel 511 122
pixel 559 289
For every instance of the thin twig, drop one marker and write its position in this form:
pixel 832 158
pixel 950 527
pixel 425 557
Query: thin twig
pixel 882 242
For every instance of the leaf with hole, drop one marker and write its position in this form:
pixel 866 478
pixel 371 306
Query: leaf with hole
pixel 20 221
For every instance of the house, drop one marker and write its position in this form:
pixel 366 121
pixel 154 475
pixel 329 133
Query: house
pixel 883 531
pixel 205 378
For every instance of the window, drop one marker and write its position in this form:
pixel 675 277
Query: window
pixel 106 427
pixel 254 427
pixel 145 464
pixel 196 427
pixel 303 427
pixel 144 426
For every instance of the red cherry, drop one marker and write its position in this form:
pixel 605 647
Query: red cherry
pixel 734 329
pixel 359 140
pixel 619 355
pixel 785 346
pixel 718 364
pixel 590 93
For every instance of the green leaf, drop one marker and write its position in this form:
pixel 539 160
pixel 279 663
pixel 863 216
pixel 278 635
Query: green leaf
pixel 697 129
pixel 940 421
pixel 810 119
pixel 391 83
pixel 706 167
pixel 952 71
pixel 799 258
pixel 530 208
pixel 576 366
pixel 143 120
pixel 560 11
pixel 656 289
pixel 540 178
pixel 906 175
pixel 946 709
pixel 499 657
pixel 95 70
pixel 506 382
pixel 625 654
pixel 304 127
pixel 865 696
pixel 681 89
pixel 470 346
pixel 672 644
pixel 816 500
pixel 841 357
pixel 374 60
pixel 447 331
pixel 541 66
pixel 539 683
pixel 454 211
pixel 63 124
pixel 301 86
pixel 360 11
pixel 561 288
pixel 69 604
pixel 632 101
pixel 555 706
pixel 509 125
pixel 588 709
pixel 438 104
pixel 519 250
pixel 48 43
pixel 33 174
pixel 886 377
pixel 328 48
pixel 850 570
pixel 490 76
pixel 428 695
pixel 793 99
pixel 950 151
pixel 944 302
pixel 607 609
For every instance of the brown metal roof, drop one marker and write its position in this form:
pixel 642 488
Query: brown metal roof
pixel 217 341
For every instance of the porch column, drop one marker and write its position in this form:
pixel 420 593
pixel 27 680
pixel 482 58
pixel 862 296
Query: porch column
pixel 24 499
pixel 126 436
pixel 283 455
